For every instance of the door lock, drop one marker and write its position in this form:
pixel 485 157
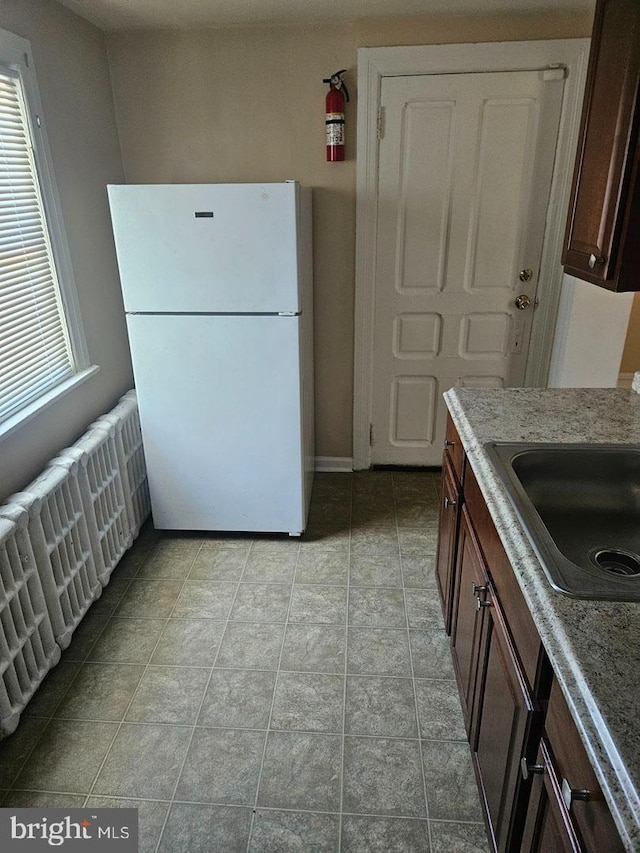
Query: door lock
pixel 525 275
pixel 523 301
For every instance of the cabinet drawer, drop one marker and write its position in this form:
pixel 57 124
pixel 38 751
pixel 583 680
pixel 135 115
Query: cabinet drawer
pixel 591 817
pixel 454 449
pixel 520 623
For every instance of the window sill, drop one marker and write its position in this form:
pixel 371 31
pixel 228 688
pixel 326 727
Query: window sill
pixel 34 409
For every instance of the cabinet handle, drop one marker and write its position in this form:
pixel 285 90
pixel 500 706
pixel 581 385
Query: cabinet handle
pixel 594 259
pixel 448 502
pixel 476 590
pixel 569 794
pixel 448 443
pixel 527 769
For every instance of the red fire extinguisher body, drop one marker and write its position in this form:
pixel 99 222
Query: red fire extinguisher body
pixel 334 121
pixel 334 116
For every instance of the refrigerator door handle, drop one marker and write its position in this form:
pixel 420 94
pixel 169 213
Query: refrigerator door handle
pixel 289 313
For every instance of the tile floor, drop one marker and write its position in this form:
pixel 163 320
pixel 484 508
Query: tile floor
pixel 266 694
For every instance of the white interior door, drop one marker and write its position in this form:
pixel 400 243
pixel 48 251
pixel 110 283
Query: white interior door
pixel 465 168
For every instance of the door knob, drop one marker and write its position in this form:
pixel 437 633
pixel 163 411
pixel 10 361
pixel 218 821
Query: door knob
pixel 522 302
pixel 594 259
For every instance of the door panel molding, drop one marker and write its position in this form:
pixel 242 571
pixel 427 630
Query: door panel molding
pixel 376 63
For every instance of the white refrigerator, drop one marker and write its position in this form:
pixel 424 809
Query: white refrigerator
pixel 217 288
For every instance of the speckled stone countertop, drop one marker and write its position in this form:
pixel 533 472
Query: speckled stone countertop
pixel 594 647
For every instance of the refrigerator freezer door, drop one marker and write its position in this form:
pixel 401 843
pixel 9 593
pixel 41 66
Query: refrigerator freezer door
pixel 209 248
pixel 220 406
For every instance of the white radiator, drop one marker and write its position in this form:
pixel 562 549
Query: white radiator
pixel 27 647
pixel 52 512
pixel 71 527
pixel 124 420
pixel 102 491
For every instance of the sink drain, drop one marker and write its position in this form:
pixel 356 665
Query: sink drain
pixel 617 562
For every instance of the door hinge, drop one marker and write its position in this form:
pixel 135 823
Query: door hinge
pixel 380 123
pixel 370 435
pixel 553 72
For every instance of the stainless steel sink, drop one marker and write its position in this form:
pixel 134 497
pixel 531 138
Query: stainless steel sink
pixel 580 506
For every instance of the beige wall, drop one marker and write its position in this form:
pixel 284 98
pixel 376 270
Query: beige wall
pixel 247 104
pixel 73 76
pixel 631 353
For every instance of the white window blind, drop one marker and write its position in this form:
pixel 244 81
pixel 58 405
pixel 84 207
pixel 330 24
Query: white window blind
pixel 35 350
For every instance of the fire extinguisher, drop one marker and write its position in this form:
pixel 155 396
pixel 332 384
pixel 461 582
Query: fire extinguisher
pixel 334 118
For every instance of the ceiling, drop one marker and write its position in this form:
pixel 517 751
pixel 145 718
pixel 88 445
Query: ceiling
pixel 132 14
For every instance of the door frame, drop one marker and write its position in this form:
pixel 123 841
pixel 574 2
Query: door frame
pixel 378 62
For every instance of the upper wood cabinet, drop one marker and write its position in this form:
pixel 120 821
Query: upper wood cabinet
pixel 601 243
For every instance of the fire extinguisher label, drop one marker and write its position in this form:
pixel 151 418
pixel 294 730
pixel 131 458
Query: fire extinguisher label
pixel 335 128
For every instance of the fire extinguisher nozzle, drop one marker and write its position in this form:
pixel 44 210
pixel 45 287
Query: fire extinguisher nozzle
pixel 334 76
pixel 336 82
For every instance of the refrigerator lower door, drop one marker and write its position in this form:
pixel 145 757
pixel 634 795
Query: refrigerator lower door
pixel 220 407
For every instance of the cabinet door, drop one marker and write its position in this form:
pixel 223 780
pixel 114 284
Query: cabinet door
pixel 453 447
pixel 466 619
pixel 601 211
pixel 585 805
pixel 505 728
pixel 522 629
pixel 547 827
pixel 450 499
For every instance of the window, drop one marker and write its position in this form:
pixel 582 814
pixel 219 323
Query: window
pixel 42 348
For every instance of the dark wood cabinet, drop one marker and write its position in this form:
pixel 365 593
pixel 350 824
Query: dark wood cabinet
pixel 450 504
pixel 507 729
pixel 601 243
pixel 500 716
pixel 567 810
pixel 451 497
pixel 454 451
pixel 531 766
pixel 523 633
pixel 467 617
pixel 547 828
